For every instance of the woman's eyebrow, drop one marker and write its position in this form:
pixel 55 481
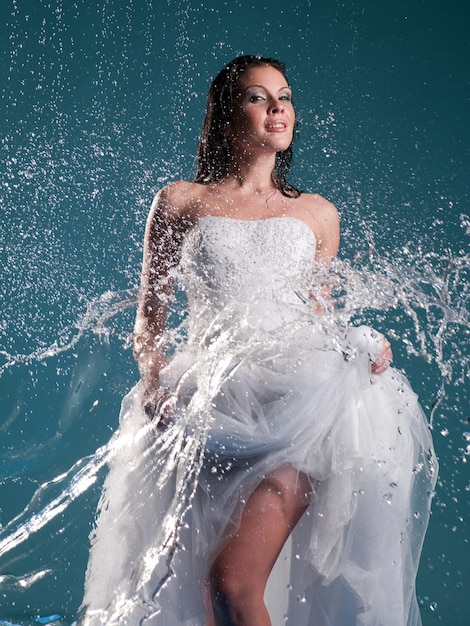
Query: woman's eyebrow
pixel 261 87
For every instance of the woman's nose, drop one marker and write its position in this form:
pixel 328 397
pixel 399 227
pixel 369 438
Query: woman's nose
pixel 276 106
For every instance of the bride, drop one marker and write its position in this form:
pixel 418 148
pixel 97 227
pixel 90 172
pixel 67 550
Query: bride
pixel 265 441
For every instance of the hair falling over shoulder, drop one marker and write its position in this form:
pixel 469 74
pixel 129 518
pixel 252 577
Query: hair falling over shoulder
pixel 213 152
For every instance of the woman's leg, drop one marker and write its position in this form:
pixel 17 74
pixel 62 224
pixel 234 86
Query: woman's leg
pixel 240 572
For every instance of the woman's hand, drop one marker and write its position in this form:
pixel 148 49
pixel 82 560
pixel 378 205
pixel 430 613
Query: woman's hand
pixel 158 406
pixel 382 361
pixel 156 399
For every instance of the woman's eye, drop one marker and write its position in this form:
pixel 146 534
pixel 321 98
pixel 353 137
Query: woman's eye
pixel 255 98
pixel 286 97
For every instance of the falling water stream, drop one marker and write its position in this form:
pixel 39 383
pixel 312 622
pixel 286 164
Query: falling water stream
pixel 101 105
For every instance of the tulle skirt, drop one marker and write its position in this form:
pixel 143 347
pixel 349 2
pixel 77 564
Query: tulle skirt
pixel 174 496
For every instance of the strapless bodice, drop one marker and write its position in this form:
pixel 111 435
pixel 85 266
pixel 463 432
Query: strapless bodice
pixel 252 263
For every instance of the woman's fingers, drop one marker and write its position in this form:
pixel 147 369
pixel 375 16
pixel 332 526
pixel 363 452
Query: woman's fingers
pixel 157 405
pixel 382 362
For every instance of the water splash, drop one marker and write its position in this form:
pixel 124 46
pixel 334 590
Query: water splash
pixel 429 295
pixel 87 134
pixel 99 312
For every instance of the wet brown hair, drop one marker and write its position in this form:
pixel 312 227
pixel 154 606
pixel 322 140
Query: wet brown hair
pixel 213 149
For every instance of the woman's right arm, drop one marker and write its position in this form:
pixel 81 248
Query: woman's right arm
pixel 163 234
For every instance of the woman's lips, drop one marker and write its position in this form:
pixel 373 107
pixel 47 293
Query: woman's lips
pixel 276 126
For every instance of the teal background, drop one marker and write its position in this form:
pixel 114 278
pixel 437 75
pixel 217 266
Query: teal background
pixel 101 104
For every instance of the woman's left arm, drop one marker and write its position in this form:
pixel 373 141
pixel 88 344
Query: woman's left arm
pixel 327 249
pixel 327 232
pixel 325 225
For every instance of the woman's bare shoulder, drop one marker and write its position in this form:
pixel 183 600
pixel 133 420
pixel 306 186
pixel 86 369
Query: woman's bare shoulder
pixel 173 200
pixel 318 202
pixel 318 208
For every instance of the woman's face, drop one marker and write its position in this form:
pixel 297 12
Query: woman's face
pixel 263 115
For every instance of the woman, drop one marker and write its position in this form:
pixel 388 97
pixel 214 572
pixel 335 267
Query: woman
pixel 266 426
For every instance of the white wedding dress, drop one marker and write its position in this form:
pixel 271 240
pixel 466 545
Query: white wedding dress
pixel 260 381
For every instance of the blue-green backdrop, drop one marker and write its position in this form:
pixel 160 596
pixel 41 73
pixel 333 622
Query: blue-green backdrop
pixel 101 104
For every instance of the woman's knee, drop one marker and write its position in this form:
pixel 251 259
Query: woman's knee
pixel 230 591
pixel 227 580
pixel 292 488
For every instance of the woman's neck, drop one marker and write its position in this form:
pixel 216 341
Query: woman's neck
pixel 252 174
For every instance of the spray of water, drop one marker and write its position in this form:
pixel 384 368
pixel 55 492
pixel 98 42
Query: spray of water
pixel 427 294
pixel 86 136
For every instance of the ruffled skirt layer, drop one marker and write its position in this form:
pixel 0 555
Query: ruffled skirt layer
pixel 307 405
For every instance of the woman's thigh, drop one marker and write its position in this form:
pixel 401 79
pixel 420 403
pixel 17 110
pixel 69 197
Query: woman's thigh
pixel 269 516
